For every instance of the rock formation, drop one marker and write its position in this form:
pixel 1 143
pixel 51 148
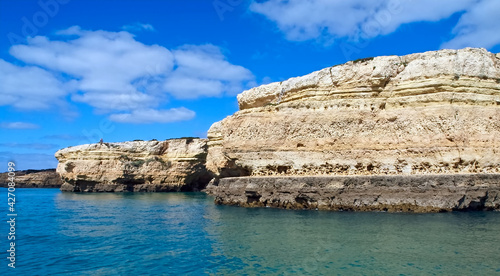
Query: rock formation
pixel 33 179
pixel 152 166
pixel 434 113
pixel 394 193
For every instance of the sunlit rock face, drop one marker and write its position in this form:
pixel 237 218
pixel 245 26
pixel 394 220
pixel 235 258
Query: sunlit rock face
pixel 153 166
pixel 426 113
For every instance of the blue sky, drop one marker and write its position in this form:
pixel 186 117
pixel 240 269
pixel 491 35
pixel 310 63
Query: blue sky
pixel 73 71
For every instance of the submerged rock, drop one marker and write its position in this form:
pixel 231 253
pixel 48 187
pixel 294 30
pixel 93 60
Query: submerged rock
pixel 151 166
pixel 433 113
pixel 33 179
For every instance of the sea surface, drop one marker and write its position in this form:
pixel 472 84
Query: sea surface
pixel 186 234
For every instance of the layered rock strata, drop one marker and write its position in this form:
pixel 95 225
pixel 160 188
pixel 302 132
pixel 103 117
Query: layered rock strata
pixel 433 113
pixel 150 166
pixel 33 179
pixel 393 193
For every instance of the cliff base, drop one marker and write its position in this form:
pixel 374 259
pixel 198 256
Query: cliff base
pixel 392 193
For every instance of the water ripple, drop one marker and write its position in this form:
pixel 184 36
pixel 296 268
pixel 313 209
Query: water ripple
pixel 186 234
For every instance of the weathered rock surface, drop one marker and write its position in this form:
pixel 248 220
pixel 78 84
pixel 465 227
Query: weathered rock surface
pixel 393 193
pixel 33 179
pixel 152 166
pixel 427 113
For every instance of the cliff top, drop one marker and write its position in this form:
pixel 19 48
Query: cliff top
pixel 381 74
pixel 137 146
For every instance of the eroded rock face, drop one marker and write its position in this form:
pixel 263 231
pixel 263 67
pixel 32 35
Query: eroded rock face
pixel 393 193
pixel 420 114
pixel 33 179
pixel 153 166
pixel 434 112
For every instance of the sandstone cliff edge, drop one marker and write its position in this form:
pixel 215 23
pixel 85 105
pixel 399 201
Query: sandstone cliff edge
pixel 152 166
pixel 433 114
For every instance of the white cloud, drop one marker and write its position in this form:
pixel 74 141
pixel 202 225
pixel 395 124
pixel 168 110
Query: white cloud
pixel 138 27
pixel 204 71
pixel 104 64
pixel 331 19
pixel 105 100
pixel 478 27
pixel 18 125
pixel 147 116
pixel 302 20
pixel 113 72
pixel 30 87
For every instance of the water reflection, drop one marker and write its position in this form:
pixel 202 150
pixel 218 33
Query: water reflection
pixel 185 233
pixel 312 243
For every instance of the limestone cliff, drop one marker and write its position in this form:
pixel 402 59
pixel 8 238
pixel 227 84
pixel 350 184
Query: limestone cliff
pixel 427 113
pixel 153 166
pixel 33 179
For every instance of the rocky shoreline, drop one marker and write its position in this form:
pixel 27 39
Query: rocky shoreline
pixel 414 133
pixel 393 193
pixel 33 179
pixel 139 166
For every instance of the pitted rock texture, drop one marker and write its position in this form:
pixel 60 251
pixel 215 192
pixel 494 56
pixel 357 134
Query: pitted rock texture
pixel 33 179
pixel 393 193
pixel 427 113
pixel 139 166
pixel 413 133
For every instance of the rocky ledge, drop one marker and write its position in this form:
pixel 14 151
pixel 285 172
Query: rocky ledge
pixel 33 179
pixel 407 119
pixel 152 166
pixel 393 193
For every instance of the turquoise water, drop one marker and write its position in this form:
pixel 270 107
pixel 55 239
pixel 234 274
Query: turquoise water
pixel 186 234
